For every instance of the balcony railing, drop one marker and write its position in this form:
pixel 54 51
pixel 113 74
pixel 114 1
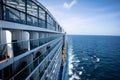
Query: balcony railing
pixel 54 68
pixel 10 50
pixel 52 64
pixel 42 68
pixel 21 75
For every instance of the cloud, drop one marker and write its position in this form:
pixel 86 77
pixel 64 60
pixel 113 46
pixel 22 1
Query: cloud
pixel 69 5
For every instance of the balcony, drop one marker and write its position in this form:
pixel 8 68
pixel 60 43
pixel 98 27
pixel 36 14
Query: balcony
pixel 44 73
pixel 53 69
pixel 43 60
pixel 16 48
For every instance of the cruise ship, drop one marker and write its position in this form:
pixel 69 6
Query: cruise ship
pixel 32 42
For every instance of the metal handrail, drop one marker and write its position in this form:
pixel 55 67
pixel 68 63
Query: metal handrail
pixel 30 40
pixel 18 48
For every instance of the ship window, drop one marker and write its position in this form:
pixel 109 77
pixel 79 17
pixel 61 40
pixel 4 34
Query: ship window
pixel 42 23
pixel 14 15
pixel 32 8
pixel 54 24
pixel 49 19
pixel 0 12
pixel 41 14
pixel 56 27
pixel 18 4
pixel 50 23
pixel 32 20
pixel 48 26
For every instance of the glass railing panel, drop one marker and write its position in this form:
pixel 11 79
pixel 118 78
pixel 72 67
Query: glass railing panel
pixel 42 69
pixel 33 65
pixel 46 68
pixel 47 63
pixel 54 67
pixel 41 41
pixel 34 44
pixel 4 50
pixel 20 47
pixel 10 50
pixel 50 67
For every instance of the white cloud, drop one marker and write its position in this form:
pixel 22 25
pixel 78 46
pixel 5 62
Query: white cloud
pixel 69 5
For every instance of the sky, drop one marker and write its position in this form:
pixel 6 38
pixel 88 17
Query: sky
pixel 86 17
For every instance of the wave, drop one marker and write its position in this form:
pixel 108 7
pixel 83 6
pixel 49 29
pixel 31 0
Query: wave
pixel 71 56
pixel 75 77
pixel 85 59
pixel 95 59
pixel 80 73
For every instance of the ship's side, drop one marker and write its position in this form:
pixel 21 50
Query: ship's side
pixel 31 42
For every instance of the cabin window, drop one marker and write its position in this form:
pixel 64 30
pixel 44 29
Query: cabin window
pixel 18 4
pixel 32 8
pixel 13 15
pixel 41 23
pixel 50 23
pixel 50 26
pixel 41 14
pixel 49 19
pixel 56 27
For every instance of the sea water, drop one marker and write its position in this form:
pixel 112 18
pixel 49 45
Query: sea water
pixel 93 57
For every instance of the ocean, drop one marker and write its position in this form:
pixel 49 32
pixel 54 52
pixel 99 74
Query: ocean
pixel 93 57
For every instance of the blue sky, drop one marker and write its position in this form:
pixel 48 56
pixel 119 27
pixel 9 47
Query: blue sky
pixel 89 17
